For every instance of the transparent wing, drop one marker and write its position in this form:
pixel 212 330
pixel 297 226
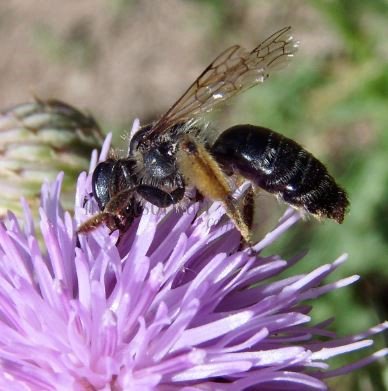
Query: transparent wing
pixel 232 72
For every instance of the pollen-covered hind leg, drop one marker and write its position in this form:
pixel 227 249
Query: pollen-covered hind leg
pixel 201 171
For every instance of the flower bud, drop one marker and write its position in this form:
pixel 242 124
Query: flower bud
pixel 38 139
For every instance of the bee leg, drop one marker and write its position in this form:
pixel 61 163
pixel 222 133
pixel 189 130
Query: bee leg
pixel 160 198
pixel 94 222
pixel 113 215
pixel 246 205
pixel 201 170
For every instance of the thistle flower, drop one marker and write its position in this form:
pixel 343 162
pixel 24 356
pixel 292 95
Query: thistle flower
pixel 172 304
pixel 37 140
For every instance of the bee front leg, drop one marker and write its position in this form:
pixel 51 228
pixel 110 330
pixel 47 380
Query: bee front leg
pixel 114 214
pixel 159 197
pixel 201 170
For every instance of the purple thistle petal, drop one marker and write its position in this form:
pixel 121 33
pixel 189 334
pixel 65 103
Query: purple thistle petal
pixel 280 380
pixel 354 366
pixel 290 218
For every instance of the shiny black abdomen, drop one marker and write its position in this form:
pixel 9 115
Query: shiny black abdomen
pixel 281 166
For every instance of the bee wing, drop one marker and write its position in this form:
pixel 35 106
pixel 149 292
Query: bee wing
pixel 233 71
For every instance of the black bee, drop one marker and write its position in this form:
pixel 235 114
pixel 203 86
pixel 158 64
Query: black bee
pixel 171 153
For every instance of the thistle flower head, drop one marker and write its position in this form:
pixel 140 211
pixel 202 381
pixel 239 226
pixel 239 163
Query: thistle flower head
pixel 171 304
pixel 37 140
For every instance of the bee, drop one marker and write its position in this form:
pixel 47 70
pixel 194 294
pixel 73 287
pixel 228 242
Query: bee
pixel 171 154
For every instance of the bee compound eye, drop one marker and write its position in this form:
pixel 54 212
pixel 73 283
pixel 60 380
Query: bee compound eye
pixel 101 181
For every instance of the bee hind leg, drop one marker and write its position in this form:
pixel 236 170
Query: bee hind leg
pixel 201 170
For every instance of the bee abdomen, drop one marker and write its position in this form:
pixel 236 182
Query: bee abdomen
pixel 281 166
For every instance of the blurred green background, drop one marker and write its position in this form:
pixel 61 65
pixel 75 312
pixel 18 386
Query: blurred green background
pixel 122 59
